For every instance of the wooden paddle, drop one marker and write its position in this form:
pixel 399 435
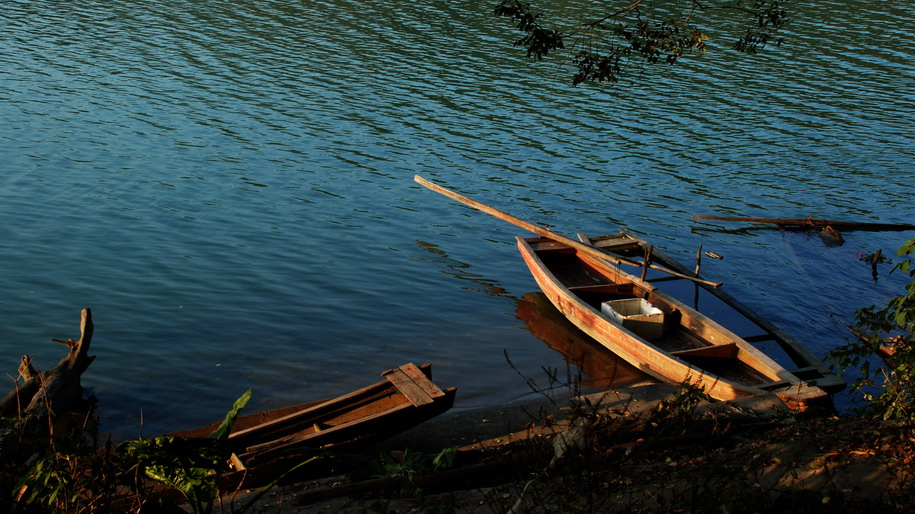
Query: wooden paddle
pixel 540 231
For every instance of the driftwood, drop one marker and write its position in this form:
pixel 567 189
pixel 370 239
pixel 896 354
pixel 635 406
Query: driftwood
pixel 51 392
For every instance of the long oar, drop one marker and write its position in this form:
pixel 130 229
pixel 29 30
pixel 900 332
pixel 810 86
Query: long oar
pixel 540 231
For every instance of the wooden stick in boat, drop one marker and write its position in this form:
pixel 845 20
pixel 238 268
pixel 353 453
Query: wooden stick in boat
pixel 809 222
pixel 540 231
pixel 646 262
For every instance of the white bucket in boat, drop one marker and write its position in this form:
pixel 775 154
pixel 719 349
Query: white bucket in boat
pixel 637 315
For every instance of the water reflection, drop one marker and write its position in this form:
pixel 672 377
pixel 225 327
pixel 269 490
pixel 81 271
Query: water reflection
pixel 600 368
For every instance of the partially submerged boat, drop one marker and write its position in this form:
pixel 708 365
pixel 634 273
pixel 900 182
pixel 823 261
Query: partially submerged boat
pixel 270 440
pixel 635 318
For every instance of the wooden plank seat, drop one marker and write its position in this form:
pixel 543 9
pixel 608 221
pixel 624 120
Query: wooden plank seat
pixel 410 381
pixel 618 243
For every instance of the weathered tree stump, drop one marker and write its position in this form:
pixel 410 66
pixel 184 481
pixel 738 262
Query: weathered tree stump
pixel 50 393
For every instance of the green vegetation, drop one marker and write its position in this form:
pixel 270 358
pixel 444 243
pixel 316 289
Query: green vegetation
pixel 640 31
pixel 888 332
pixel 185 464
pixel 72 472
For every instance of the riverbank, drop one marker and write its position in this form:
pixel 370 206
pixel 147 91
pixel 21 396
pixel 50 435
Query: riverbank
pixel 752 456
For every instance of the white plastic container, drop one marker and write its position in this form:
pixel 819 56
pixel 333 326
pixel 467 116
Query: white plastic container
pixel 637 315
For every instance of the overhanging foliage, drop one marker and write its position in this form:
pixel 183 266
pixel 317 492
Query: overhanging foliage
pixel 659 31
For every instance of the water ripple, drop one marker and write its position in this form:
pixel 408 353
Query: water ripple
pixel 228 183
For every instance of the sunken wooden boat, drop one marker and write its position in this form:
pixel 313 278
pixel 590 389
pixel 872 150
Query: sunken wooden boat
pixel 663 336
pixel 265 443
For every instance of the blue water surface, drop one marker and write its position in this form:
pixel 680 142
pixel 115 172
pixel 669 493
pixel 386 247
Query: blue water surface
pixel 228 185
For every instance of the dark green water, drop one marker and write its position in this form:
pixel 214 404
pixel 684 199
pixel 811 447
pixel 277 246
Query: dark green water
pixel 228 186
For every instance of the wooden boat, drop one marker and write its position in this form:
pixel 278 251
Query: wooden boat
pixel 269 440
pixel 663 336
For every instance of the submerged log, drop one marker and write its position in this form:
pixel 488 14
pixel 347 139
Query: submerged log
pixel 806 223
pixel 52 392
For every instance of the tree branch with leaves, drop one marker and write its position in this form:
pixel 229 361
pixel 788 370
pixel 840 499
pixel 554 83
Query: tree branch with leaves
pixel 645 31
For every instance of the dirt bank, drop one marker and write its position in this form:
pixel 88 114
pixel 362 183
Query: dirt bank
pixel 749 456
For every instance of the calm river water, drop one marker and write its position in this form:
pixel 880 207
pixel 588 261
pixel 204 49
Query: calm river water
pixel 228 186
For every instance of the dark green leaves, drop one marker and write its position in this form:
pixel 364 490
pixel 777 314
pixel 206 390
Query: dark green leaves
pixel 770 16
pixel 596 68
pixel 652 33
pixel 538 41
pixel 222 432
